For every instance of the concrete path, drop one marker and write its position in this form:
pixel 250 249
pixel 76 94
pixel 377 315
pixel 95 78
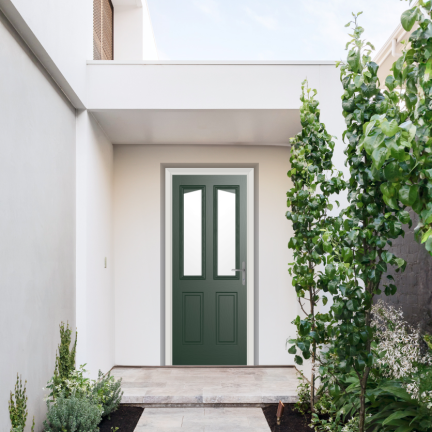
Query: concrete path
pixel 202 420
pixel 146 385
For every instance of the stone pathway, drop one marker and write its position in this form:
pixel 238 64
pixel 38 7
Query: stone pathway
pixel 155 386
pixel 202 420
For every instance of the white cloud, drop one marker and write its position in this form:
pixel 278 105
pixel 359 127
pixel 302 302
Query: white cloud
pixel 208 7
pixel 268 22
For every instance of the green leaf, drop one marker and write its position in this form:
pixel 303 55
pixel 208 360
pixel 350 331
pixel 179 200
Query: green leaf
pixel 298 360
pixel 347 255
pixel 354 339
pixel 428 71
pixel 408 194
pixel 387 256
pixel 354 60
pixel 324 300
pixel 304 328
pixel 398 415
pixel 379 156
pixel 330 271
pixel 428 245
pixel 389 82
pixel 404 217
pixel 404 428
pixel 373 141
pixel 389 128
pixel 408 18
pixel 292 350
pixel 426 235
pixel 352 305
pixel 392 171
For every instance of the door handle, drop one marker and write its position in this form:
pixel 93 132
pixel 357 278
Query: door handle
pixel 243 270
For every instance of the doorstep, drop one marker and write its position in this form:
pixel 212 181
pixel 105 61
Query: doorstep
pixel 207 386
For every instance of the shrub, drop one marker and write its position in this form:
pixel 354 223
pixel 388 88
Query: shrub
pixel 326 417
pixel 72 414
pixel 403 355
pixel 303 391
pixel 108 392
pixel 76 384
pixel 65 362
pixel 18 407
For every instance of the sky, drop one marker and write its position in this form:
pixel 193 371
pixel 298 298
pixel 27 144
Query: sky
pixel 266 29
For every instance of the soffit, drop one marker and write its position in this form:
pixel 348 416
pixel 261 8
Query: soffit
pixel 204 127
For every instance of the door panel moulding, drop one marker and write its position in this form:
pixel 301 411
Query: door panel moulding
pixel 249 173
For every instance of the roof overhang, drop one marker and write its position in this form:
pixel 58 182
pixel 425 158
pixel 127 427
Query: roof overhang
pixel 160 102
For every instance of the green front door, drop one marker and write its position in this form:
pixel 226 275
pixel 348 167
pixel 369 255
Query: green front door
pixel 209 242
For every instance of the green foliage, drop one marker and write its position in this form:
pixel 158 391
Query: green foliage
pixel 373 218
pixel 72 414
pixel 65 363
pixel 407 155
pixel 314 180
pixel 108 392
pixel 18 407
pixel 75 384
pixel 326 417
pixel 303 392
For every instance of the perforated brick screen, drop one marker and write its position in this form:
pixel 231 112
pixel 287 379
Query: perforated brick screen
pixel 103 30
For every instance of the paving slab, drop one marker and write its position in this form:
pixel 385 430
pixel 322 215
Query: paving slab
pixel 207 386
pixel 202 420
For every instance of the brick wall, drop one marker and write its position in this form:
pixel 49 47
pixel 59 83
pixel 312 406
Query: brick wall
pixel 414 293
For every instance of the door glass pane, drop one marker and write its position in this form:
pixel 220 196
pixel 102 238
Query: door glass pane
pixel 192 237
pixel 226 231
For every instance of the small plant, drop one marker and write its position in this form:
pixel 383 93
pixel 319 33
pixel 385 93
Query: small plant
pixel 108 392
pixel 326 417
pixel 401 347
pixel 65 362
pixel 18 408
pixel 303 391
pixel 76 384
pixel 72 414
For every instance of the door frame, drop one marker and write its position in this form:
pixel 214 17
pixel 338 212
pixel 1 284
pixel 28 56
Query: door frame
pixel 250 327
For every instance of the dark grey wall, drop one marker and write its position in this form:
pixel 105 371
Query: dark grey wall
pixel 414 292
pixel 37 222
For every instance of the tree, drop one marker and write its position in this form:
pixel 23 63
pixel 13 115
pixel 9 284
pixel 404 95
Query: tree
pixel 359 257
pixel 309 199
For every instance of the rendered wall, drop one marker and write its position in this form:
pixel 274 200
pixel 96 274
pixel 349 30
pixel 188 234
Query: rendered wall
pixel 64 29
pixel 37 222
pixel 138 238
pixel 414 286
pixel 95 289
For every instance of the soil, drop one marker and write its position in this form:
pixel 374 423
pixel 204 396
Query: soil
pixel 291 420
pixel 125 418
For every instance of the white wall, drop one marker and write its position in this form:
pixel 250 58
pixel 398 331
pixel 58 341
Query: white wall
pixel 65 30
pixel 133 32
pixel 95 289
pixel 37 223
pixel 138 255
pixel 204 85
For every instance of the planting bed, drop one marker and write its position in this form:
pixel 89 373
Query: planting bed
pixel 291 420
pixel 125 418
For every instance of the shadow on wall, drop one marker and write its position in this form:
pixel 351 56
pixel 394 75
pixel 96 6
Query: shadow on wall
pixel 414 286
